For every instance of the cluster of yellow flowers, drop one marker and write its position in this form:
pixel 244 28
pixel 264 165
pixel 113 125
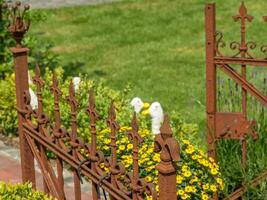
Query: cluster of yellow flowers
pixel 198 177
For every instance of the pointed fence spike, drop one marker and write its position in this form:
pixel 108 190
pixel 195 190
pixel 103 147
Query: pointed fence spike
pixel 71 89
pixel 134 123
pixel 111 112
pixel 37 70
pixel 91 99
pixel 165 129
pixel 54 79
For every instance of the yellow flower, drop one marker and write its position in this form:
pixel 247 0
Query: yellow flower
pixel 185 196
pixel 179 179
pixel 123 140
pixel 211 159
pixel 185 168
pixel 188 189
pixel 201 153
pixel 102 165
pixel 206 186
pixel 149 197
pixel 145 112
pixel 186 142
pixel 193 180
pixel 157 188
pixel 214 171
pixel 106 148
pixel 187 174
pixel 204 196
pixel 150 163
pixel 146 105
pixel 180 192
pixel 156 158
pixel 219 181
pixel 190 149
pixel 121 147
pixel 129 146
pixel 213 188
pixel 148 178
pixel 106 141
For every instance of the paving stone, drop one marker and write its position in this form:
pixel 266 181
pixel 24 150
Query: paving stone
pixel 10 171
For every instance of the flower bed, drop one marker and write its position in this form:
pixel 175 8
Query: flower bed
pixel 197 176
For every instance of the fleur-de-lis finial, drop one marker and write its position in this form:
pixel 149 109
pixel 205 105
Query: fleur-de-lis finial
pixel 37 78
pixel 112 117
pixel 165 129
pixel 54 87
pixel 134 132
pixel 18 25
pixel 71 98
pixel 243 16
pixel 91 106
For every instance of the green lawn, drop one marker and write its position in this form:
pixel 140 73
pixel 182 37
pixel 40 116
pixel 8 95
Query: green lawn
pixel 156 45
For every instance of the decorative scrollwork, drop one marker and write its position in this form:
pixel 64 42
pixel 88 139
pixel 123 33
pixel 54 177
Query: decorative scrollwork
pixel 235 46
pixel 27 110
pixel 219 43
pixel 251 46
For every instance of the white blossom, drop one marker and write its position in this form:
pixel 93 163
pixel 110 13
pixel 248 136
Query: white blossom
pixel 156 113
pixel 34 101
pixel 76 82
pixel 29 78
pixel 137 104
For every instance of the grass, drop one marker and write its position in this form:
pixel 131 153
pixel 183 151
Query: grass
pixel 158 46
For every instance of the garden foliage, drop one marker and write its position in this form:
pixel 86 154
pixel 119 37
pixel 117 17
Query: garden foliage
pixel 20 192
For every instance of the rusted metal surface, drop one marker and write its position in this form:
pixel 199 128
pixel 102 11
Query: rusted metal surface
pixel 231 125
pixel 73 141
pixel 210 77
pixel 169 154
pixel 234 126
pixel 59 133
pixel 94 116
pixel 17 30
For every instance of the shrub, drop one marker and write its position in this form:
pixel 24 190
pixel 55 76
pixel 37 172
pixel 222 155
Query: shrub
pixel 20 192
pixel 8 113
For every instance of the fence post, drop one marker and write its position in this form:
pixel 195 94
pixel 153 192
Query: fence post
pixel 169 154
pixel 17 28
pixel 210 28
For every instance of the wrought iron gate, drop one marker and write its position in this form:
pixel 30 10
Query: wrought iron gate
pixel 231 125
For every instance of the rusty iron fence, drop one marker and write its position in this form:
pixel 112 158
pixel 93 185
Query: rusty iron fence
pixel 231 125
pixel 38 134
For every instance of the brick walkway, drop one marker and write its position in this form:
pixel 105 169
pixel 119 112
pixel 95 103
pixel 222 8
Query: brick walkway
pixel 10 171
